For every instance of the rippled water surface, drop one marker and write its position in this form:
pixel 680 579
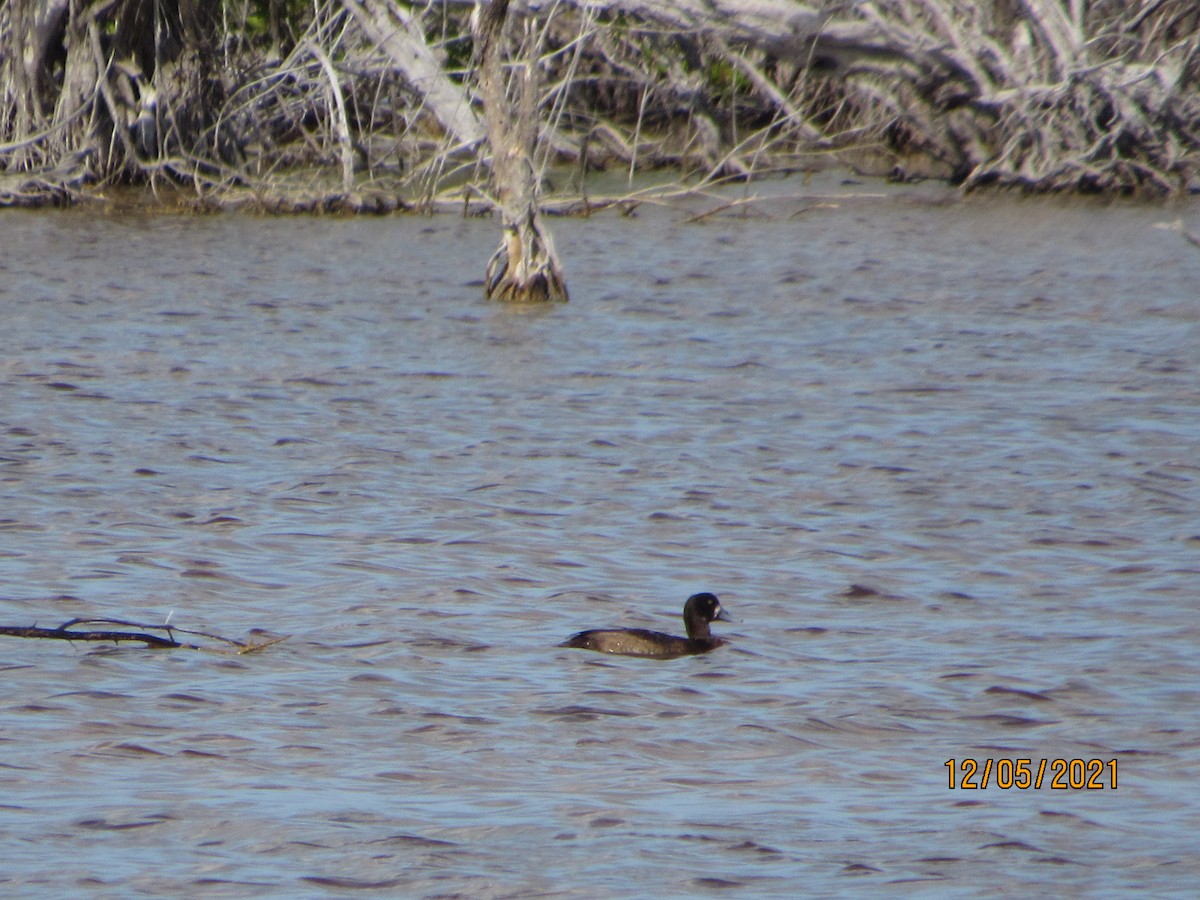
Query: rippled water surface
pixel 938 458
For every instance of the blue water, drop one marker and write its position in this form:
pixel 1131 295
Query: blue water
pixel 936 456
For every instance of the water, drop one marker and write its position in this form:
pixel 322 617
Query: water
pixel 937 457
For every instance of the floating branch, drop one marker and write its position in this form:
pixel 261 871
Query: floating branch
pixel 70 631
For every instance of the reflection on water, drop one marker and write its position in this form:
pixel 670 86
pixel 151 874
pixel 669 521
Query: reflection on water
pixel 937 460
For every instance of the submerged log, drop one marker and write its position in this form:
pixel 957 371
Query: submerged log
pixel 525 267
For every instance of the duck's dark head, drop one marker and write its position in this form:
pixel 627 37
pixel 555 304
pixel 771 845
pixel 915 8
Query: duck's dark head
pixel 701 609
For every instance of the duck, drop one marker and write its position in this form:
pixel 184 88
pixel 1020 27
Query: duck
pixel 698 612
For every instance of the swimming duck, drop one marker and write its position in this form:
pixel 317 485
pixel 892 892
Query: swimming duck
pixel 699 610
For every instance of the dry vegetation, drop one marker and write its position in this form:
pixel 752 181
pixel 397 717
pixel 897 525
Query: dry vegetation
pixel 373 104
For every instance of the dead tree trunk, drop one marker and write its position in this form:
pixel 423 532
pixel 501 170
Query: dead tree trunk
pixel 525 267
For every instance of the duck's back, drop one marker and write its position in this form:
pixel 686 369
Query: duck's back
pixel 640 642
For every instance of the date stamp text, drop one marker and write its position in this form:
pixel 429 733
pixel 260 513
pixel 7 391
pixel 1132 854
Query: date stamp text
pixel 971 774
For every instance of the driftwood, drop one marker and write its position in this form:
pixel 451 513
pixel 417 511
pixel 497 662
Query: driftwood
pixel 71 631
